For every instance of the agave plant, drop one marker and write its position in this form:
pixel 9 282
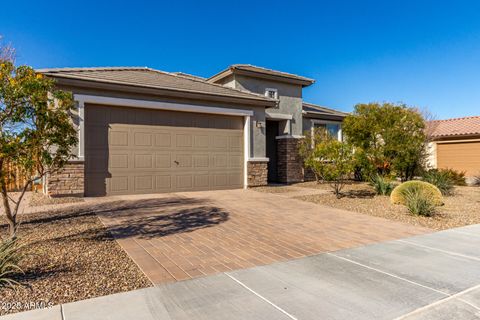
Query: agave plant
pixel 382 185
pixel 10 256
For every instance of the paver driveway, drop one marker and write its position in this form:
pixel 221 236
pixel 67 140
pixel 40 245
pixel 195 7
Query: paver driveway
pixel 185 235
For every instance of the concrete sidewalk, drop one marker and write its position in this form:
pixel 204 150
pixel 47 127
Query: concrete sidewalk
pixel 434 276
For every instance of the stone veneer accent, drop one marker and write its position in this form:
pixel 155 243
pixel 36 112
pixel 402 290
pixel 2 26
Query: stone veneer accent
pixel 308 174
pixel 67 182
pixel 257 173
pixel 289 162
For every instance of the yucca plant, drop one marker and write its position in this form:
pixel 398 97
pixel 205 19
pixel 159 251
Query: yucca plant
pixel 442 179
pixel 382 185
pixel 10 256
pixel 419 202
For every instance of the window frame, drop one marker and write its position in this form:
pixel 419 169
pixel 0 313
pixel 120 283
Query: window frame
pixel 267 90
pixel 325 122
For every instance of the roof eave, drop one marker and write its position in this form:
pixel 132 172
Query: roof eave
pixel 455 136
pixel 170 92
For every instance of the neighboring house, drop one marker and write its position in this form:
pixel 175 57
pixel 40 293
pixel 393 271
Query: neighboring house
pixel 456 144
pixel 147 131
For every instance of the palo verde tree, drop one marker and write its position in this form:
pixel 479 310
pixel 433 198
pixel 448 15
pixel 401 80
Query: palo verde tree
pixel 388 138
pixel 36 132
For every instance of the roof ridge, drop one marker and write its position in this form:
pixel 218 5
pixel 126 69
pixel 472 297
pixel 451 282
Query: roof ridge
pixel 453 119
pixel 272 70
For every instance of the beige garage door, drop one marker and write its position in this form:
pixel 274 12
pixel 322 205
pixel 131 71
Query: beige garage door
pixel 463 156
pixel 131 151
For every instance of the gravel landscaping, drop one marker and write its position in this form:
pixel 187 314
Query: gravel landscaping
pixel 69 256
pixel 463 208
pixel 39 199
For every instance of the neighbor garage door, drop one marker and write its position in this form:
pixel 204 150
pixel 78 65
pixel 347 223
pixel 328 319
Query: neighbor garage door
pixel 132 150
pixel 463 156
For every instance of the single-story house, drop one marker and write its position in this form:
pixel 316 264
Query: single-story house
pixel 142 130
pixel 456 145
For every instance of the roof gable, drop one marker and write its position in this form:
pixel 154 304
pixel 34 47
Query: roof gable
pixel 260 72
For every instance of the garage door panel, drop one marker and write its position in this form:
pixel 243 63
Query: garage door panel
pixel 118 161
pixel 163 140
pixel 144 183
pixel 133 156
pixel 143 161
pixel 142 139
pixel 163 161
pixel 163 183
pixel 119 184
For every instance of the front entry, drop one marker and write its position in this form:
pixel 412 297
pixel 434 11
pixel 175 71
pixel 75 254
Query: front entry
pixel 271 134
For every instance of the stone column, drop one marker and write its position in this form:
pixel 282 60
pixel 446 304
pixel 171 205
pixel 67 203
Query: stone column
pixel 67 182
pixel 289 163
pixel 257 172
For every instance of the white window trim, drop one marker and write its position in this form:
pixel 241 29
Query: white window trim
pixel 339 134
pixel 271 89
pixel 81 99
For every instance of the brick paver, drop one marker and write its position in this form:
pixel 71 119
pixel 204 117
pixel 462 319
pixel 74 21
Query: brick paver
pixel 180 236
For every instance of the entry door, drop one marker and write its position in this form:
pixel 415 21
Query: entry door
pixel 272 133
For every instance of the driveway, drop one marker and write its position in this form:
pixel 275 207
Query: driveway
pixel 432 276
pixel 181 236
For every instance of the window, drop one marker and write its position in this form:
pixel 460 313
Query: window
pixel 271 93
pixel 333 128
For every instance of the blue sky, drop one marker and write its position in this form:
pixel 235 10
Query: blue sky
pixel 422 53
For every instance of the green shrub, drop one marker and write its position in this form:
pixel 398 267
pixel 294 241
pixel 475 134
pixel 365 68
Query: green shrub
pixel 441 179
pixel 382 185
pixel 10 256
pixel 418 201
pixel 397 196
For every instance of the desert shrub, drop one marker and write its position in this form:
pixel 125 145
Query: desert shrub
pixel 476 181
pixel 427 189
pixel 441 179
pixel 418 201
pixel 330 160
pixel 10 256
pixel 388 138
pixel 457 177
pixel 382 185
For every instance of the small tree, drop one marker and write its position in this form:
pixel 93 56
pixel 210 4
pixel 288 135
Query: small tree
pixel 307 149
pixel 387 137
pixel 36 131
pixel 331 160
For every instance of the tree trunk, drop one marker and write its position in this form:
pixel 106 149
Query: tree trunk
pixel 11 217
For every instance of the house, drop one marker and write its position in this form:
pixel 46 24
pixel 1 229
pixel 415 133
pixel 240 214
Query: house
pixel 147 131
pixel 456 145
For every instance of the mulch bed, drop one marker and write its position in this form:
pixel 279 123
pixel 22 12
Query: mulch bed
pixel 69 256
pixel 463 208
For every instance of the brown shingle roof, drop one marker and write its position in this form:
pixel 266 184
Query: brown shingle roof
pixel 260 70
pixel 454 127
pixel 151 78
pixel 316 109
